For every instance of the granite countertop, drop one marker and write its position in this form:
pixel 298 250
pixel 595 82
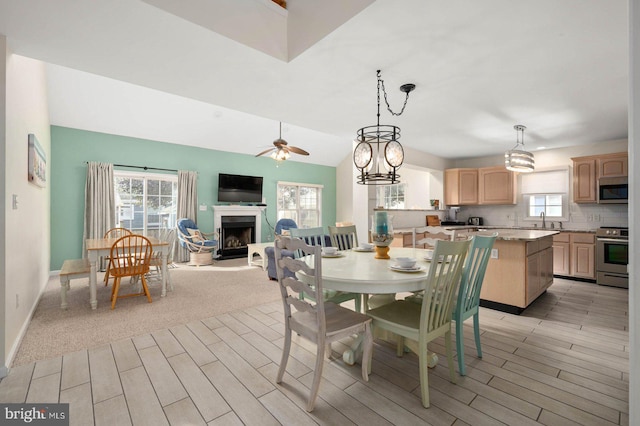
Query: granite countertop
pixel 510 234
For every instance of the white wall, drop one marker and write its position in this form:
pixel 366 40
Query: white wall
pixel 351 198
pixel 3 198
pixel 27 228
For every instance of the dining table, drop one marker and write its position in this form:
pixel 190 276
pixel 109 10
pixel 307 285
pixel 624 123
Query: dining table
pixel 358 271
pixel 98 247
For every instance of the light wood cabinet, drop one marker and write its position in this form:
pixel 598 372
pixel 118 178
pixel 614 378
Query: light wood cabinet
pixel 574 254
pixel 584 180
pixel 583 255
pixel 561 254
pixel 614 166
pixel 486 185
pixel 497 185
pixel 460 187
pixel 587 171
pixel 521 273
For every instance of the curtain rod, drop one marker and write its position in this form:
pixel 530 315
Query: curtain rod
pixel 143 167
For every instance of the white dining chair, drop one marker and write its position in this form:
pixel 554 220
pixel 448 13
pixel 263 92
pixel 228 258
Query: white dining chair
pixel 316 320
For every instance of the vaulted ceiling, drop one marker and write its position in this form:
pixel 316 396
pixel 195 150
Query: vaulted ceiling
pixel 220 74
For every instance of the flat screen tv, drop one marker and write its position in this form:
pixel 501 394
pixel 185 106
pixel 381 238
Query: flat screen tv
pixel 239 188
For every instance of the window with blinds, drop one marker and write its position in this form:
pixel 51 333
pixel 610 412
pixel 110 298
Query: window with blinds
pixel 546 192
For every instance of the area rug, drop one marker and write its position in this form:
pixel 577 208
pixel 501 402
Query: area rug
pixel 199 293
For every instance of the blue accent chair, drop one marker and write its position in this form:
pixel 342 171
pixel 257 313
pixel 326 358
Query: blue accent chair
pixel 281 225
pixel 200 245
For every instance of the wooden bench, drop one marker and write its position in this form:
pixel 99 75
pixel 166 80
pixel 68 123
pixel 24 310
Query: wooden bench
pixel 72 268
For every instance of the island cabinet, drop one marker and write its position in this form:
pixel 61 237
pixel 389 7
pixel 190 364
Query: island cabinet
pixel 587 171
pixel 522 271
pixel 497 185
pixel 574 254
pixel 460 187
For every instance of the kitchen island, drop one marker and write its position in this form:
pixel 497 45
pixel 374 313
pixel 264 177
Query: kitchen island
pixel 520 270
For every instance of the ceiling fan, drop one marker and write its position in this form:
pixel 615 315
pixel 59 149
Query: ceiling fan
pixel 282 149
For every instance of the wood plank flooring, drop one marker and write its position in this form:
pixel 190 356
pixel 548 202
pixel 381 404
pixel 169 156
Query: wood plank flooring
pixel 564 361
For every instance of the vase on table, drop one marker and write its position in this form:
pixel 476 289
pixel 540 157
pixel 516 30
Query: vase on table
pixel 381 234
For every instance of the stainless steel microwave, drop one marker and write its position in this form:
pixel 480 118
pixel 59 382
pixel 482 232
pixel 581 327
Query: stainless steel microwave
pixel 613 190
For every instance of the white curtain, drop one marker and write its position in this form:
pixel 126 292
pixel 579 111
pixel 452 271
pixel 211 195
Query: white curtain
pixel 187 203
pixel 99 202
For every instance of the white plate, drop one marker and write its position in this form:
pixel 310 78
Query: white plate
pixel 332 255
pixel 416 268
pixel 364 250
pixel 429 258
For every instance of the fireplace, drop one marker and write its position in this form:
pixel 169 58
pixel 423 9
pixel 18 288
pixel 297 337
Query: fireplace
pixel 236 232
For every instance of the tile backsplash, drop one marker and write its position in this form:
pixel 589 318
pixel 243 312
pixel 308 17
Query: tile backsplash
pixel 581 216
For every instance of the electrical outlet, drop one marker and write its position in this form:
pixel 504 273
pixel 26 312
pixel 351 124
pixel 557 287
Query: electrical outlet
pixel 494 253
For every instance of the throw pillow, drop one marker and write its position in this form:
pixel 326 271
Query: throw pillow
pixel 195 234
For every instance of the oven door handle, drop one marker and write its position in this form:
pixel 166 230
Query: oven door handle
pixel 613 240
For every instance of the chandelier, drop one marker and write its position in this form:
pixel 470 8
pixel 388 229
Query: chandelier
pixel 517 159
pixel 378 154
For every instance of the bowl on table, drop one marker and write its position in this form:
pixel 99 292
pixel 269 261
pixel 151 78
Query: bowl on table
pixel 330 251
pixel 366 246
pixel 406 262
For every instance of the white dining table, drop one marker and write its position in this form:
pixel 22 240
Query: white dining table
pixel 360 272
pixel 97 247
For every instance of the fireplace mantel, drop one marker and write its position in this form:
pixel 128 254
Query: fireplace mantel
pixel 219 211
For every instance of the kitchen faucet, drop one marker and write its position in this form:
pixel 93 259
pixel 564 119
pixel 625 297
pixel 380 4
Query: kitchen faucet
pixel 543 222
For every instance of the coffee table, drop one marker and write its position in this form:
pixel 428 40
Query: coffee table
pixel 258 248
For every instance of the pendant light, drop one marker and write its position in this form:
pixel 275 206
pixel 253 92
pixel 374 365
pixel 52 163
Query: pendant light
pixel 378 154
pixel 517 159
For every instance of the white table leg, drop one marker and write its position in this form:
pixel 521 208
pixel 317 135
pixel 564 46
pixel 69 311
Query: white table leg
pixel 93 279
pixel 163 267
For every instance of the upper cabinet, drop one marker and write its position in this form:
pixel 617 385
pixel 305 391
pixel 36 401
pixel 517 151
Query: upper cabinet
pixel 460 187
pixel 487 185
pixel 584 180
pixel 614 166
pixel 587 171
pixel 497 185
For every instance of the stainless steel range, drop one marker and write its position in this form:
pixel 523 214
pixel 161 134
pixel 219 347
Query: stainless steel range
pixel 612 256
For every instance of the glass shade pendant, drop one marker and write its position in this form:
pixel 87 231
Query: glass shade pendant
pixel 518 159
pixel 378 154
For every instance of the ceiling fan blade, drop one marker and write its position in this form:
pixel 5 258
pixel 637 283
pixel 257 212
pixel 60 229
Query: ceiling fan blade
pixel 264 152
pixel 297 150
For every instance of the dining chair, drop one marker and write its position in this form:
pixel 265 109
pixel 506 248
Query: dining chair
pixel 431 319
pixel 130 256
pixel 426 236
pixel 344 237
pixel 113 233
pixel 467 302
pixel 316 237
pixel 320 322
pixel 155 270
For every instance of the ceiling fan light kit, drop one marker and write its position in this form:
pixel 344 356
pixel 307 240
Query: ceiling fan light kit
pixel 378 154
pixel 282 150
pixel 518 159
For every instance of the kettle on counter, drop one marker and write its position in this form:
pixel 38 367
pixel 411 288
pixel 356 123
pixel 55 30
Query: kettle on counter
pixel 475 221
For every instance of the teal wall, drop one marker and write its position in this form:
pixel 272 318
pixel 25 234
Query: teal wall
pixel 72 148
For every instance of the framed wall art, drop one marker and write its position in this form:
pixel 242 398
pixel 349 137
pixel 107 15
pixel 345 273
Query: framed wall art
pixel 37 172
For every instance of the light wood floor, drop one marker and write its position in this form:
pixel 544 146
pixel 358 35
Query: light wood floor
pixel 564 361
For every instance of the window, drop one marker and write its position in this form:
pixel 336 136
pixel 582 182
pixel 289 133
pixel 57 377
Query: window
pixel 391 196
pixel 300 202
pixel 551 204
pixel 145 203
pixel 546 192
